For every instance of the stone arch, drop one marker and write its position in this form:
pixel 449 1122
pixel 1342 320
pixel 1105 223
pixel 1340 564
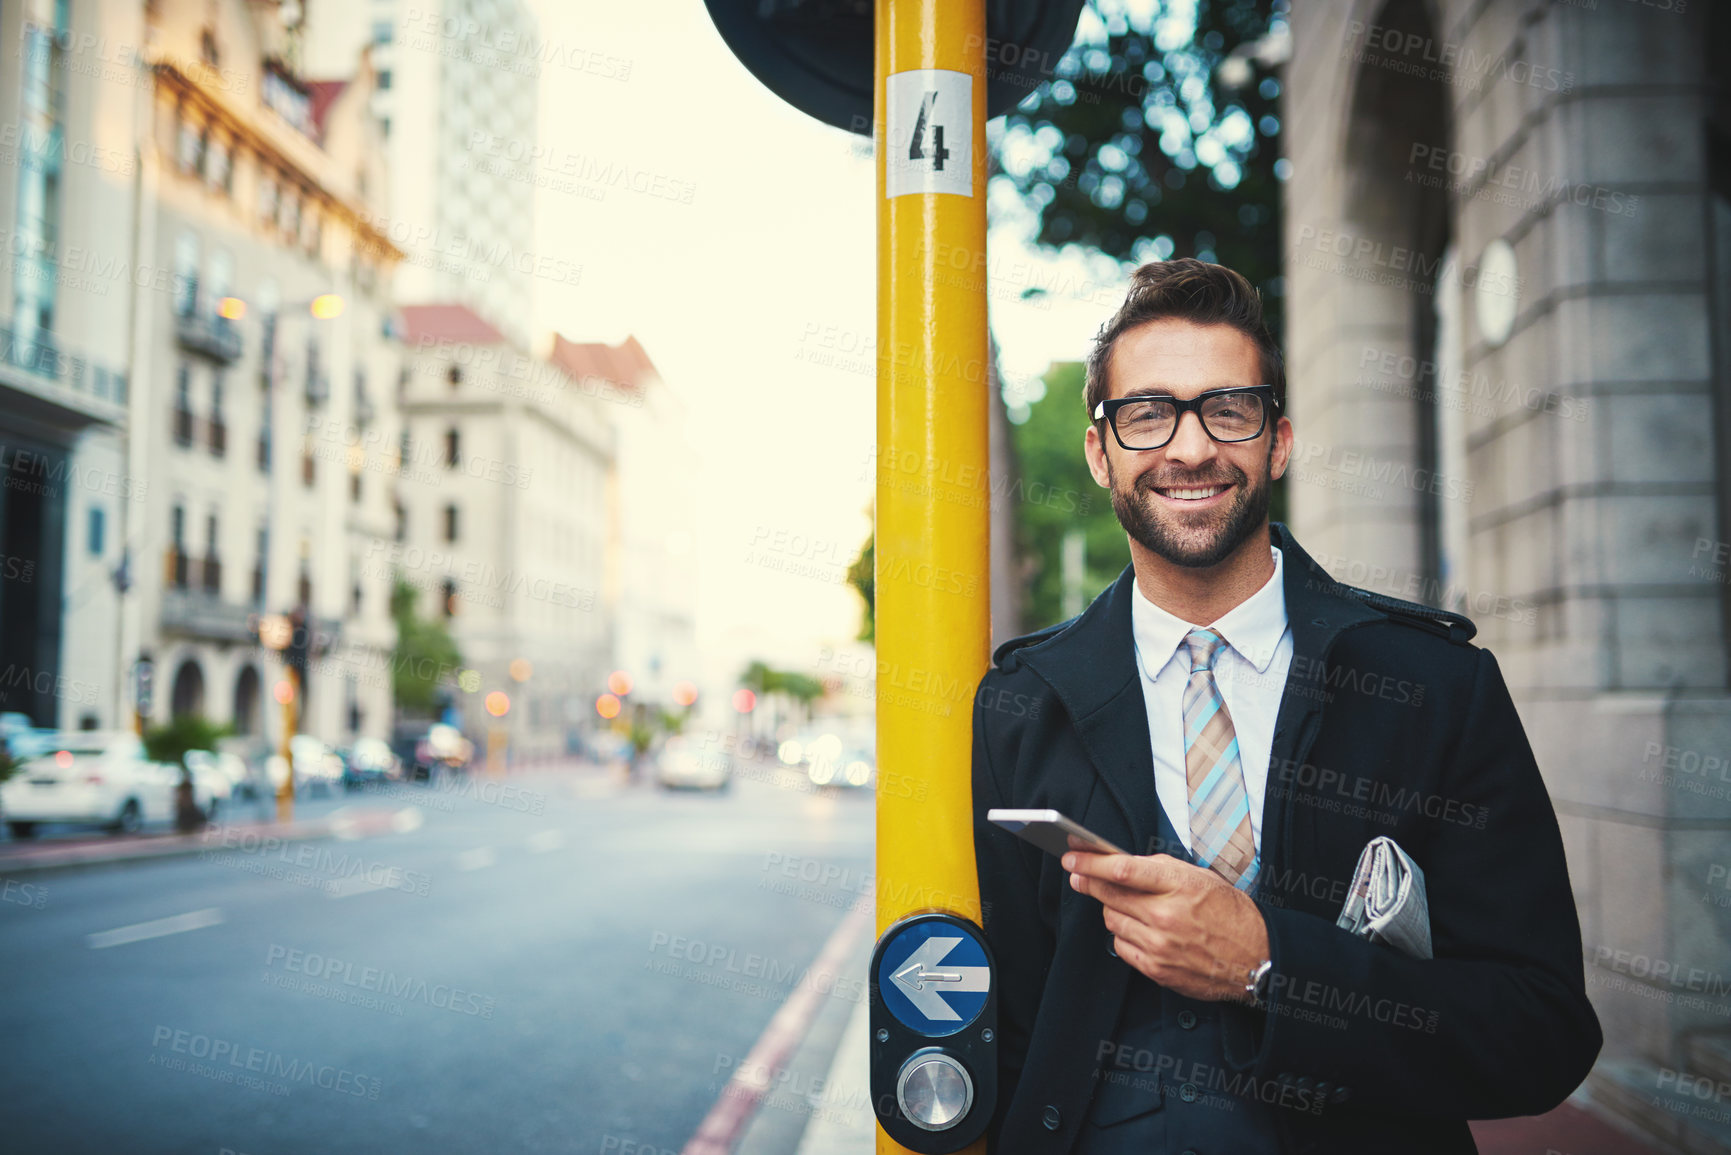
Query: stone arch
pixel 248 695
pixel 187 696
pixel 1366 399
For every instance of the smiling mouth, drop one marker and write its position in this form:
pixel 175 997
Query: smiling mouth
pixel 1197 493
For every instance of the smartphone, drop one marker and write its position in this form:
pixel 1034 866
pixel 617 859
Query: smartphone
pixel 1050 830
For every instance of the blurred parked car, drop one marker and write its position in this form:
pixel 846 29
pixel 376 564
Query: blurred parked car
pixel 369 762
pixel 21 738
pixel 227 766
pixel 682 765
pixel 101 777
pixel 317 767
pixel 442 750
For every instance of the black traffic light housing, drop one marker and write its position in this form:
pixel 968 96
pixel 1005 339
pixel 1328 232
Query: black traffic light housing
pixel 817 54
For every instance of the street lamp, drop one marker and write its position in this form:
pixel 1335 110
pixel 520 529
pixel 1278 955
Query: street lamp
pixel 288 634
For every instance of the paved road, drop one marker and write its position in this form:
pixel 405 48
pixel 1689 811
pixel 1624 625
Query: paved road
pixel 558 965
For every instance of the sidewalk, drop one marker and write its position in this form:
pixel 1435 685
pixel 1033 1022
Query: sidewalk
pixel 346 823
pixel 1568 1130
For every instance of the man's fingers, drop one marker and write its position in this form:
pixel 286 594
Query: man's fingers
pixel 1150 874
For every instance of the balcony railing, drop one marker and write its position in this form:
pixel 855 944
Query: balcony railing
pixel 211 575
pixel 183 422
pixel 39 355
pixel 214 337
pixel 218 437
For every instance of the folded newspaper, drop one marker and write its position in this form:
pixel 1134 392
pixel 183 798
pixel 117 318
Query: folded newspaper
pixel 1386 902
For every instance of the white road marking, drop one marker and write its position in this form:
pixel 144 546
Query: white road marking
pixel 477 859
pixel 156 928
pixel 546 840
pixel 353 885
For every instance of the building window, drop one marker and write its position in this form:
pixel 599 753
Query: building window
pixel 384 80
pixel 189 147
pixel 218 427
pixel 212 566
pixel 183 406
pixel 218 168
pixel 453 450
pixel 355 486
pixel 451 522
pixel 400 531
pixel 449 589
pixel 269 203
pixel 382 32
pixel 177 559
pixel 94 532
pixel 403 450
pixel 186 274
pixel 261 557
pixel 455 376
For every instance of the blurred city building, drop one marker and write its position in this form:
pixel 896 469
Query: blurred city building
pixel 503 520
pixel 257 364
pixel 652 580
pixel 66 141
pixel 1508 241
pixel 457 98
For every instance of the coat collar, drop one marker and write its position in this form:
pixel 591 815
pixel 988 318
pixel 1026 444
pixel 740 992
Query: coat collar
pixel 1091 666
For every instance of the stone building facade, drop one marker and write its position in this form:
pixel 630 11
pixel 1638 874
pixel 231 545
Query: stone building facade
pixel 1508 293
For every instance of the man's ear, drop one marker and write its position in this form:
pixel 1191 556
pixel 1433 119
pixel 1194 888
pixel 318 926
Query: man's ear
pixel 1280 453
pixel 1095 452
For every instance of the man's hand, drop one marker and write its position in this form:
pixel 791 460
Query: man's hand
pixel 1186 928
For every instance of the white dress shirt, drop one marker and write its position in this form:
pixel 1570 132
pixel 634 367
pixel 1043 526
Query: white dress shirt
pixel 1251 673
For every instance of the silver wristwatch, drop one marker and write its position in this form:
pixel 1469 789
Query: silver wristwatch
pixel 1256 988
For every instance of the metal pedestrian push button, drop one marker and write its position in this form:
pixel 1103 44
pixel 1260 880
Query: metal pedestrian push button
pixel 934 1060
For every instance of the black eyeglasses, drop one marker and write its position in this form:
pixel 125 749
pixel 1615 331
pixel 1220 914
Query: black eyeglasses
pixel 1149 421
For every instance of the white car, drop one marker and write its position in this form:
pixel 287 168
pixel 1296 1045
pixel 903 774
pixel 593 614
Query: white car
pixel 99 777
pixel 317 766
pixel 681 765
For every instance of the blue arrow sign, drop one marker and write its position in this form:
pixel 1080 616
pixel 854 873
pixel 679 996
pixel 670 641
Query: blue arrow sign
pixel 933 977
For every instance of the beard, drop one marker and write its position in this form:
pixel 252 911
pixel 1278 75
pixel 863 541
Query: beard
pixel 1189 540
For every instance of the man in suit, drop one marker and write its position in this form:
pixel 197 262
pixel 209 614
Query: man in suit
pixel 1243 725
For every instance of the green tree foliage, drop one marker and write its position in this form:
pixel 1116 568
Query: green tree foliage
pixel 425 657
pixel 1159 136
pixel 170 742
pixel 862 576
pixel 1049 451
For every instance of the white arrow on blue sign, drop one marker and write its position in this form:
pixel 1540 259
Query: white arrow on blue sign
pixel 933 977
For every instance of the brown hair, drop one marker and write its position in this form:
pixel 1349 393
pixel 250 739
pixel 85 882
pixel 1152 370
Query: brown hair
pixel 1189 290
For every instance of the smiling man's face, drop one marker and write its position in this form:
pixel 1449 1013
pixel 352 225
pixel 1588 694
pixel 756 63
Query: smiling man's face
pixel 1194 500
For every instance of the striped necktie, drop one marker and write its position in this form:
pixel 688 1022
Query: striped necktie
pixel 1220 832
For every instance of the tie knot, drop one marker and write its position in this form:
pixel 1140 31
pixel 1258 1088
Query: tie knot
pixel 1203 646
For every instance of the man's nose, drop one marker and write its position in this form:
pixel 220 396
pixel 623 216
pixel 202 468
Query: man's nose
pixel 1190 444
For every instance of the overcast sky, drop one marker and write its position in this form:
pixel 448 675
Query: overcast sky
pixel 770 263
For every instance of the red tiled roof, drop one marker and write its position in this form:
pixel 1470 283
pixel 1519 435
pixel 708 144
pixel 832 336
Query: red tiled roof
pixel 624 364
pixel 447 323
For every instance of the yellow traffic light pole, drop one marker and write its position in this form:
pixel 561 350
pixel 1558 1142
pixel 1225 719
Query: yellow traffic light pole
pixel 933 493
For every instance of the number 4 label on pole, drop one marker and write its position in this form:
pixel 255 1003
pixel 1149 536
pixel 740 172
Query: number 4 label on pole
pixel 929 141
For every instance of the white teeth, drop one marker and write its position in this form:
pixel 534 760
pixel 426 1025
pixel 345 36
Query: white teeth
pixel 1194 494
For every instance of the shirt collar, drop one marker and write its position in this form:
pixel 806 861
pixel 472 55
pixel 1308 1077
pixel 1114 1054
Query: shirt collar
pixel 1253 627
